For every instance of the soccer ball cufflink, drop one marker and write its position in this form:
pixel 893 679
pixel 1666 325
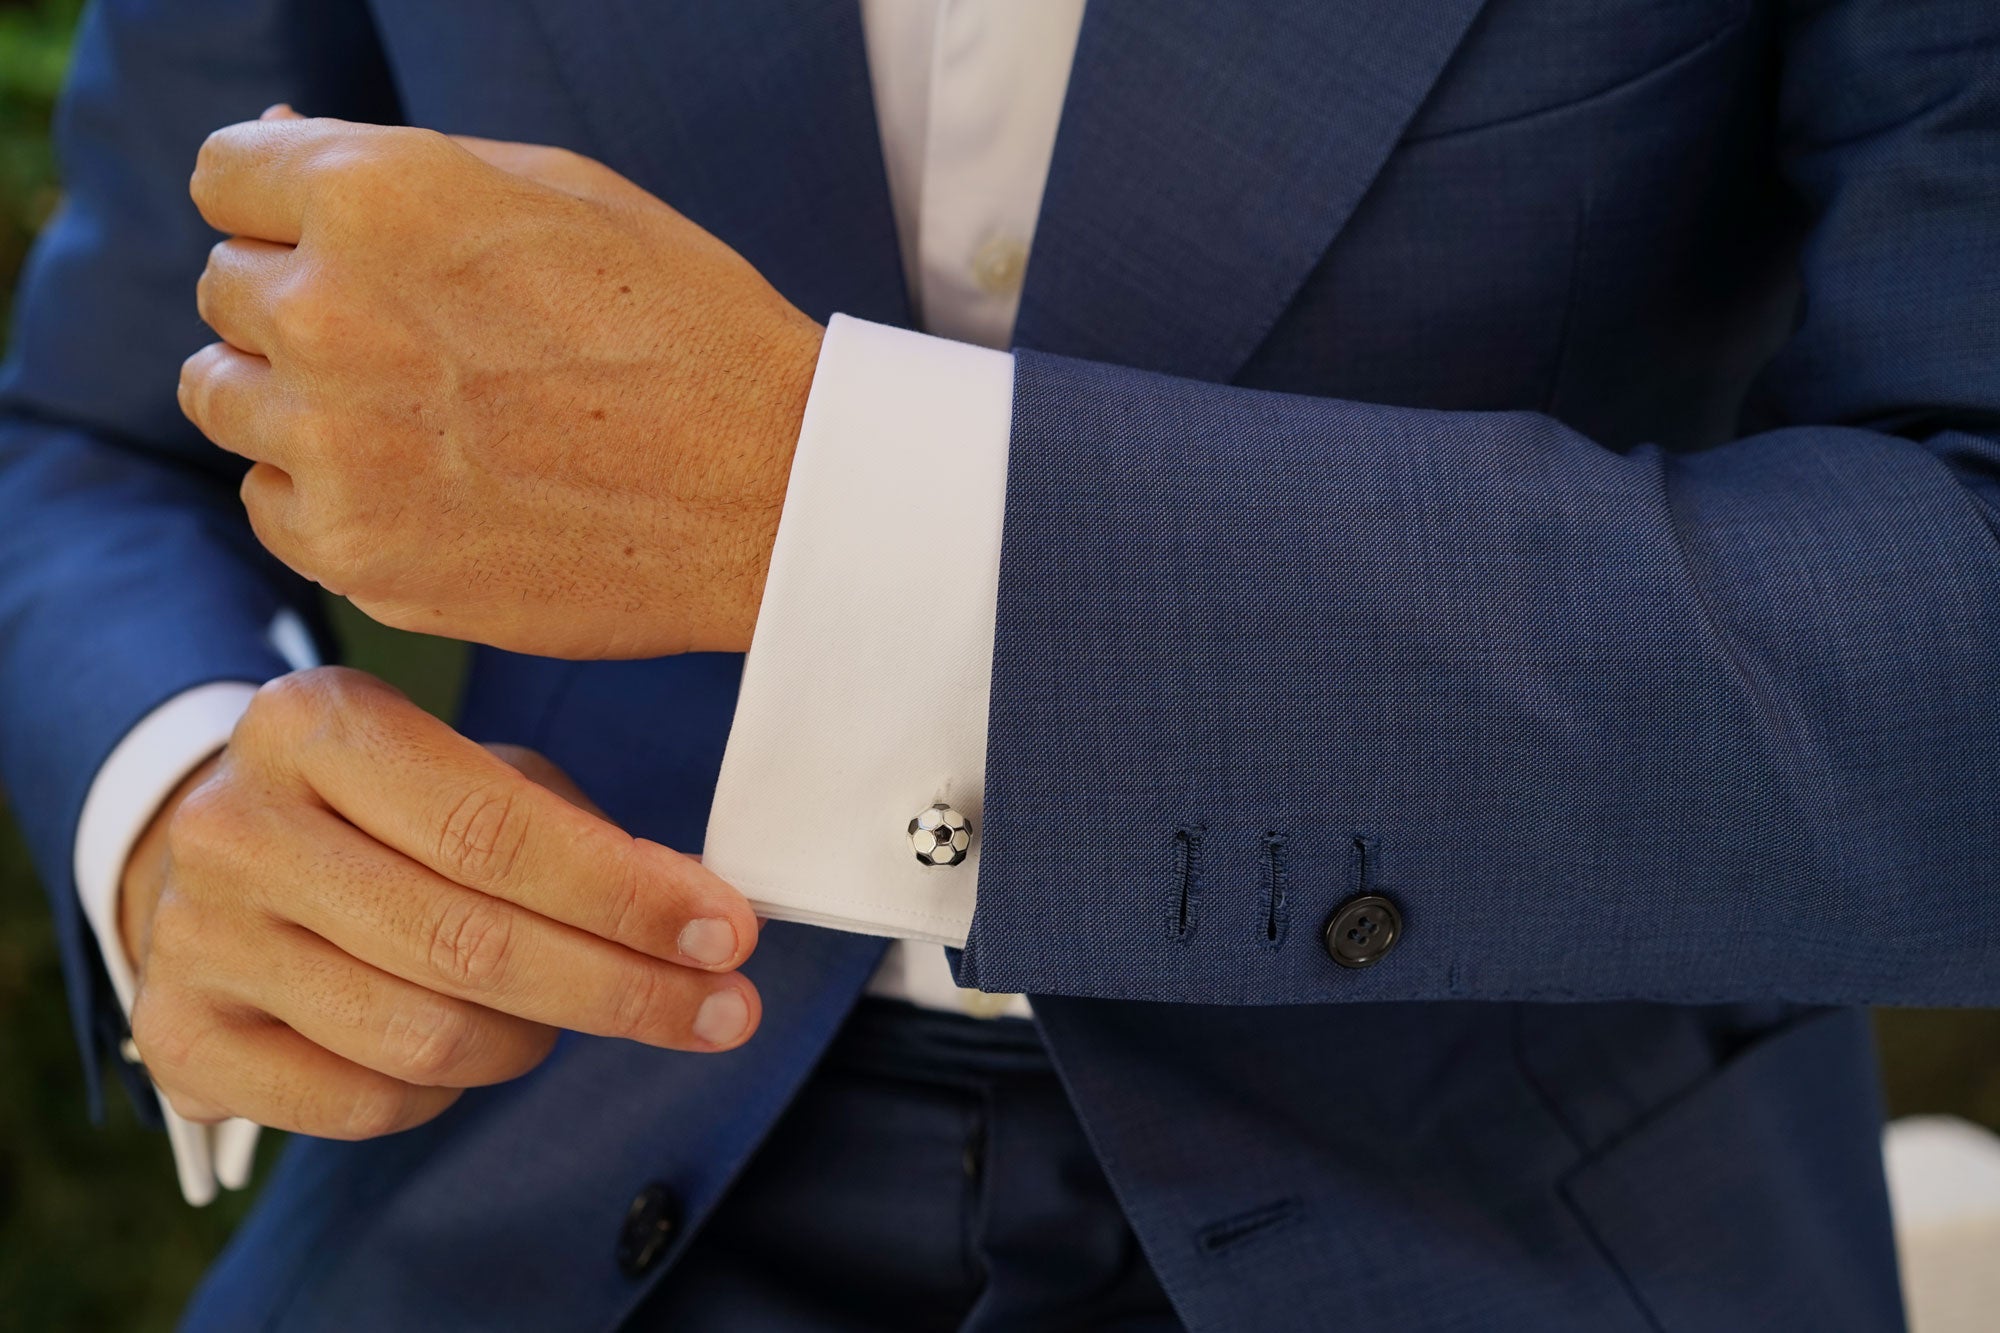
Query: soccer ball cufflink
pixel 940 836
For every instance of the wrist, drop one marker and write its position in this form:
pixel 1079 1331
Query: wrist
pixel 781 409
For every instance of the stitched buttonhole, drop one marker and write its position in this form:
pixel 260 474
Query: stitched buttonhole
pixel 1275 875
pixel 1360 865
pixel 1187 880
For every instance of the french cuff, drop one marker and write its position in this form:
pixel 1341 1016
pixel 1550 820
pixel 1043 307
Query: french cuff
pixel 141 771
pixel 863 702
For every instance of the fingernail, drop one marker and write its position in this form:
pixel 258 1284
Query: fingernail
pixel 722 1017
pixel 711 941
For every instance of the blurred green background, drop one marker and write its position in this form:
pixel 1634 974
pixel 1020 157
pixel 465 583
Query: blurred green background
pixel 93 1234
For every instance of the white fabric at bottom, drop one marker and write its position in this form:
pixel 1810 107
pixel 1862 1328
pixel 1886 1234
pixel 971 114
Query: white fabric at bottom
pixel 919 974
pixel 1944 1183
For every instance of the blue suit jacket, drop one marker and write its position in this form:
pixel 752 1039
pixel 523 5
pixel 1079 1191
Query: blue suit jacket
pixel 1535 459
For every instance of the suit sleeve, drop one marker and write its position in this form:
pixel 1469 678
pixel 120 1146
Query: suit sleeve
pixel 127 571
pixel 1605 725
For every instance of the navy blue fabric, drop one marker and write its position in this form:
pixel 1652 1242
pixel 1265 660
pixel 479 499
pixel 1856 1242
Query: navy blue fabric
pixel 931 1175
pixel 1534 459
pixel 1663 715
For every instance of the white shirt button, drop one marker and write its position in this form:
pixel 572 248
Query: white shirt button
pixel 980 1004
pixel 999 265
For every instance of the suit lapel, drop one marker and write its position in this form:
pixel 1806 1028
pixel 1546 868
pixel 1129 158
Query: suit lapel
pixel 1208 155
pixel 755 119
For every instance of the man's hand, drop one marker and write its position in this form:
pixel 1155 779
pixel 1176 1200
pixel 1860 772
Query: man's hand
pixel 355 912
pixel 494 391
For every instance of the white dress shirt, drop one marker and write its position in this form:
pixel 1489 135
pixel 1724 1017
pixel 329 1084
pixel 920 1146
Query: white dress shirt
pixel 901 471
pixel 864 695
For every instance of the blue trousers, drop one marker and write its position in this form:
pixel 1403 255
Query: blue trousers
pixel 930 1176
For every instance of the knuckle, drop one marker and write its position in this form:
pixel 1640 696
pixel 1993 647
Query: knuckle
pixel 343 181
pixel 173 938
pixel 301 705
pixel 269 502
pixel 204 294
pixel 344 553
pixel 636 1004
pixel 368 167
pixel 482 836
pixel 471 943
pixel 401 146
pixel 199 377
pixel 375 1108
pixel 576 162
pixel 423 142
pixel 190 1106
pixel 204 162
pixel 354 160
pixel 628 901
pixel 213 146
pixel 288 703
pixel 276 717
pixel 317 551
pixel 206 830
pixel 207 166
pixel 167 1033
pixel 305 318
pixel 429 1043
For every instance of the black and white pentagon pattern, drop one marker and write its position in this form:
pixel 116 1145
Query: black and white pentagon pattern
pixel 940 836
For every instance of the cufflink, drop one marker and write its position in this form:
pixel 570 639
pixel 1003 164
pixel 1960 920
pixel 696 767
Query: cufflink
pixel 940 836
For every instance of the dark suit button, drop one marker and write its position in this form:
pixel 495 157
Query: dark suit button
pixel 1362 930
pixel 648 1230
